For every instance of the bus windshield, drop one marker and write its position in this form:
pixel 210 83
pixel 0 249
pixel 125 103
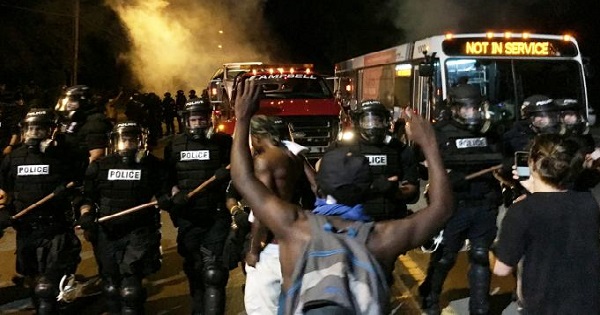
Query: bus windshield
pixel 506 82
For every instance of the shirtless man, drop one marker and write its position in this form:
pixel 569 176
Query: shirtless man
pixel 278 169
pixel 291 225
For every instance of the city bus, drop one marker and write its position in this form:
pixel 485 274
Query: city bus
pixel 506 67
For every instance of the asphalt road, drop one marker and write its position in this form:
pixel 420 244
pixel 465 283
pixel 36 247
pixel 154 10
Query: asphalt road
pixel 168 291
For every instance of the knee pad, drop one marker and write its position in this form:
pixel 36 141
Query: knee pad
pixel 110 289
pixel 132 291
pixel 215 276
pixel 45 289
pixel 479 255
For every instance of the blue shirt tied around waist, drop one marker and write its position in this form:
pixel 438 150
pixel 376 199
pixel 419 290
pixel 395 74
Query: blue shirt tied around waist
pixel 354 213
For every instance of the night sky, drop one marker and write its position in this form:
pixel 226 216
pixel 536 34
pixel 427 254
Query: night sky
pixel 36 36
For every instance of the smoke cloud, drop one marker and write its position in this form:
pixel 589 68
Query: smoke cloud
pixel 179 44
pixel 420 19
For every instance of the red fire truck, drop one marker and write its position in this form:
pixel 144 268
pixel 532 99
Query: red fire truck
pixel 300 97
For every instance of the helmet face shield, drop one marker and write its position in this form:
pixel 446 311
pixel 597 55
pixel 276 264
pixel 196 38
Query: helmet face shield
pixel 37 126
pixel 373 127
pixel 126 140
pixel 470 114
pixel 545 121
pixel 33 132
pixel 372 120
pixel 197 123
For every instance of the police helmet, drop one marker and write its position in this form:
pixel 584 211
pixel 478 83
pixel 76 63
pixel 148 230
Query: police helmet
pixel 75 98
pixel 542 112
pixel 197 116
pixel 128 140
pixel 465 102
pixel 572 122
pixel 373 121
pixel 38 125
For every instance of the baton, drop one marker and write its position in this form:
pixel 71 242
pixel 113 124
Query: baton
pixel 39 203
pixel 154 203
pixel 483 171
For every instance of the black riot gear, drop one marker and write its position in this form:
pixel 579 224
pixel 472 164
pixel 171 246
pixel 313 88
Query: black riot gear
pixel 128 140
pixel 465 102
pixel 572 122
pixel 197 116
pixel 542 112
pixel 373 121
pixel 75 102
pixel 38 126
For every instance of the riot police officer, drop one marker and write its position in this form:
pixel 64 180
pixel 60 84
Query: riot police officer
pixel 540 115
pixel 128 246
pixel 468 144
pixel 82 122
pixel 388 157
pixel 572 121
pixel 203 221
pixel 47 247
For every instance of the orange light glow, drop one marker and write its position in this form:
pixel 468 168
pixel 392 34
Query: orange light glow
pixel 566 37
pixel 507 34
pixel 526 35
pixel 490 35
pixel 449 36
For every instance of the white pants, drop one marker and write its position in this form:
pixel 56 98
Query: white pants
pixel 263 283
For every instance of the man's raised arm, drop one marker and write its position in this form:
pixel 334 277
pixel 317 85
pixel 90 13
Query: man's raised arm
pixel 267 207
pixel 415 230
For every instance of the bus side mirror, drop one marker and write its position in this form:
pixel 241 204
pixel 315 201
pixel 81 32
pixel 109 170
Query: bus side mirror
pixel 425 70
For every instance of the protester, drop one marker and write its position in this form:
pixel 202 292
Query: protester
pixel 554 231
pixel 280 170
pixel 345 178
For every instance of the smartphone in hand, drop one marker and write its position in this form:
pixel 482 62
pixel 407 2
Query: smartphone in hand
pixel 521 161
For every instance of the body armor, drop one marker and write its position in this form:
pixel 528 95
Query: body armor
pixel 384 160
pixel 195 162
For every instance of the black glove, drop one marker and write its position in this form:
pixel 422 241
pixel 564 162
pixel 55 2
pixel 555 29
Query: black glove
pixel 222 174
pixel 180 199
pixel 164 202
pixel 5 220
pixel 383 186
pixel 87 221
pixel 60 191
pixel 240 218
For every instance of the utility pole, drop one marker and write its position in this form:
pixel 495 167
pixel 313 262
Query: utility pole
pixel 75 42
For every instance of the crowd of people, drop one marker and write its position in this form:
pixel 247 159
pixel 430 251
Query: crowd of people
pixel 312 239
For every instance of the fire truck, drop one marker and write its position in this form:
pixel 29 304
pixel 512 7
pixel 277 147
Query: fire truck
pixel 292 92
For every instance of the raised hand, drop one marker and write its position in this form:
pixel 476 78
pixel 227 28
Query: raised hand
pixel 418 129
pixel 247 99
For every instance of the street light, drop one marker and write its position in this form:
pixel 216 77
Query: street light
pixel 75 41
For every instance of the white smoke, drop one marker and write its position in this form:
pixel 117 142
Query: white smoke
pixel 179 44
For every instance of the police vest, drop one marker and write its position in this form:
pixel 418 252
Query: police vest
pixel 122 186
pixel 196 162
pixel 35 176
pixel 384 160
pixel 467 152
